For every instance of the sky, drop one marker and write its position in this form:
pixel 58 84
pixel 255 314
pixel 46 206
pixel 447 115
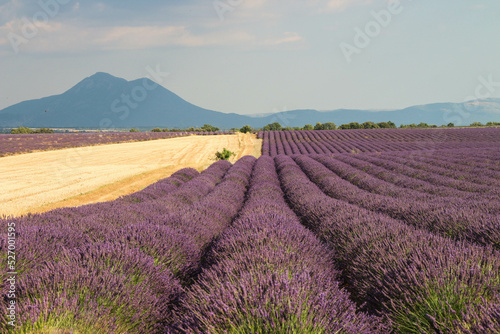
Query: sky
pixel 258 56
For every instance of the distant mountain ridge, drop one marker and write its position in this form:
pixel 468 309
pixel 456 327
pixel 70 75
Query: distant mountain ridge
pixel 105 101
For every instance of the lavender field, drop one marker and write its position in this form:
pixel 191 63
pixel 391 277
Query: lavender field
pixel 25 143
pixel 376 140
pixel 352 231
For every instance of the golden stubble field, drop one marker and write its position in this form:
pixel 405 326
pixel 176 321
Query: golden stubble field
pixel 42 181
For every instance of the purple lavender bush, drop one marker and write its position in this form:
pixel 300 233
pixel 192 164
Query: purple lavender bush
pixel 268 274
pixel 419 281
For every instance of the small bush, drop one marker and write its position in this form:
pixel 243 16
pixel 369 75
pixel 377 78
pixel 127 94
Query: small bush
pixel 224 155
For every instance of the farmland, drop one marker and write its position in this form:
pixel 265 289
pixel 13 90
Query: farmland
pixel 41 181
pixel 27 143
pixel 351 231
pixel 375 140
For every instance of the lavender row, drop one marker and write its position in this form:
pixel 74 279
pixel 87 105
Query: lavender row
pixel 436 215
pixel 477 176
pixel 358 141
pixel 460 170
pixel 25 143
pixel 427 176
pixel 419 281
pixel 203 221
pixel 174 244
pixel 388 173
pixel 471 160
pixel 373 179
pixel 386 182
pixel 485 158
pixel 135 261
pixel 134 207
pixel 59 267
pixel 343 166
pixel 268 274
pixel 408 135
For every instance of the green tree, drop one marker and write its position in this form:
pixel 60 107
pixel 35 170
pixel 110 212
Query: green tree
pixel 383 125
pixel 156 130
pixel 451 125
pixel 134 130
pixel 352 125
pixel 329 126
pixel 44 130
pixel 326 126
pixel 272 127
pixel 209 128
pixel 21 130
pixel 476 124
pixel 308 127
pixel 246 129
pixel 224 155
pixel 370 125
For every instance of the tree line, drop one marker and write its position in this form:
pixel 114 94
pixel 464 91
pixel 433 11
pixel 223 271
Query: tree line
pixel 278 127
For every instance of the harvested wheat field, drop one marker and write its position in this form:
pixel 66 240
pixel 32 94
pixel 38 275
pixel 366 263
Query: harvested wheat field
pixel 42 181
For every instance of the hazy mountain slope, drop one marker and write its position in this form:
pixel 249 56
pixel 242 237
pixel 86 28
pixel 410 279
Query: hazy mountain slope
pixel 105 101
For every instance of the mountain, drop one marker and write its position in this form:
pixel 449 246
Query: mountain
pixel 485 110
pixel 105 101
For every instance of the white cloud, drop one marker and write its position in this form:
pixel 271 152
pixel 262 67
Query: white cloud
pixel 289 37
pixel 9 10
pixel 336 6
pixel 245 27
pixel 26 30
pixel 119 38
pixel 254 4
pixel 59 37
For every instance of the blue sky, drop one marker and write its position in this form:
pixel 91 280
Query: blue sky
pixel 257 56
